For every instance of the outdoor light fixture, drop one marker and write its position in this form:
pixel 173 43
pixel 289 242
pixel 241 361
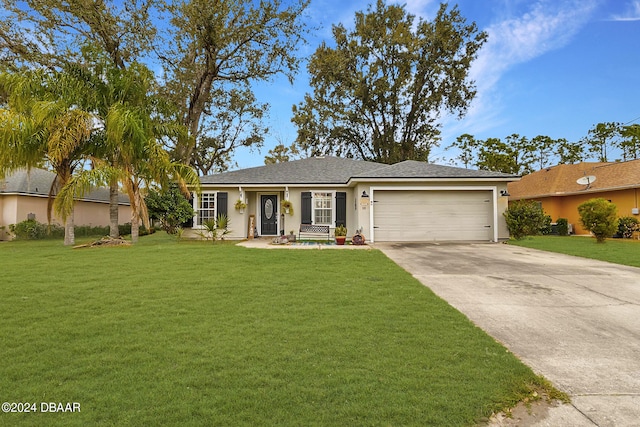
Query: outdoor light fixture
pixel 364 200
pixel 504 193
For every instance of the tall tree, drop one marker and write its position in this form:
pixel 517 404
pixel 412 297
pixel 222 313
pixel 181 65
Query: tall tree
pixel 130 150
pixel 42 122
pixel 234 120
pixel 523 151
pixel 467 146
pixel 50 32
pixel 495 155
pixel 54 34
pixel 601 138
pixel 543 146
pixel 216 45
pixel 281 153
pixel 630 142
pixel 378 94
pixel 569 152
pixel 211 48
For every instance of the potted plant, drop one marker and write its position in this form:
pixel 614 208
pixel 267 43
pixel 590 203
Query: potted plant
pixel 292 236
pixel 341 234
pixel 240 205
pixel 287 206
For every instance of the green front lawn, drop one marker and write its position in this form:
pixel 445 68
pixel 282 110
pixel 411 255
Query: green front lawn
pixel 194 333
pixel 619 251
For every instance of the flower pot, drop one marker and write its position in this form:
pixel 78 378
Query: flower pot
pixel 340 240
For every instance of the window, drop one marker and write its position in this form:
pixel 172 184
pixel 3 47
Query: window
pixel 206 207
pixel 323 208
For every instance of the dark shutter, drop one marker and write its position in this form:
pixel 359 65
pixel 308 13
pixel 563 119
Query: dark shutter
pixel 189 222
pixel 221 202
pixel 341 208
pixel 306 208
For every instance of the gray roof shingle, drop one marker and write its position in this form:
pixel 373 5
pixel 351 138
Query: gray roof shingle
pixel 414 169
pixel 335 170
pixel 38 182
pixel 313 170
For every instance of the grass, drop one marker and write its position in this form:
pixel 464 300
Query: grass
pixel 619 251
pixel 195 333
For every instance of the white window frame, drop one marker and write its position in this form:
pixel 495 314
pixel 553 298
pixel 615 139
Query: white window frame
pixel 197 201
pixel 332 197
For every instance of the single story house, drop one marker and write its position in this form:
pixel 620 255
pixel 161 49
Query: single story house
pixel 25 193
pixel 561 189
pixel 409 201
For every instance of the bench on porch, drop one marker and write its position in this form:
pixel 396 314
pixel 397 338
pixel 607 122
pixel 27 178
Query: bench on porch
pixel 313 231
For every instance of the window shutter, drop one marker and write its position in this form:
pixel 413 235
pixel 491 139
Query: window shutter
pixel 341 208
pixel 306 207
pixel 221 203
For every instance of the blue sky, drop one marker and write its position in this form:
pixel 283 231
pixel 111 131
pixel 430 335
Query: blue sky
pixel 549 67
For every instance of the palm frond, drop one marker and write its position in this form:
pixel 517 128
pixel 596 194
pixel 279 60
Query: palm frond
pixel 80 185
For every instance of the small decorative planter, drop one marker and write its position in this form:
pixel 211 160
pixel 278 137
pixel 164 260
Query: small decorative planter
pixel 240 206
pixel 341 234
pixel 287 207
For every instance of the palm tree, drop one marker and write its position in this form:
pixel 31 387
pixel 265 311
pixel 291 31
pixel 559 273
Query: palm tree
pixel 41 123
pixel 129 150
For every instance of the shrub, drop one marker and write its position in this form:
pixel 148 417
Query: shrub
pixel 31 229
pixel 171 208
pixel 599 216
pixel 525 218
pixel 87 230
pixel 546 228
pixel 124 229
pixel 215 229
pixel 562 226
pixel 627 225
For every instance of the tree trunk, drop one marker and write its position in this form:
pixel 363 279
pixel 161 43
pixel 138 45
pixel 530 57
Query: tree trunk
pixel 135 229
pixel 69 232
pixel 113 211
pixel 135 226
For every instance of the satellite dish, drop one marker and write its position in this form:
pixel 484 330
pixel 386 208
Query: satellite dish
pixel 586 180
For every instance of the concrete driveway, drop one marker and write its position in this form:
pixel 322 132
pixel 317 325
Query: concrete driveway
pixel 574 321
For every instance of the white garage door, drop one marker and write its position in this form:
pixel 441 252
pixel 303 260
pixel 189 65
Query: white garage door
pixel 422 216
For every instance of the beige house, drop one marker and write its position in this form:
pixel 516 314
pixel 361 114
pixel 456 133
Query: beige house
pixel 406 202
pixel 24 195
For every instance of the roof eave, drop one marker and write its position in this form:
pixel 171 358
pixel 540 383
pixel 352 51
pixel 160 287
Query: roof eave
pixel 575 193
pixel 438 179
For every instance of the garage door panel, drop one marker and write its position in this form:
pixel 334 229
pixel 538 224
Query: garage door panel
pixel 433 215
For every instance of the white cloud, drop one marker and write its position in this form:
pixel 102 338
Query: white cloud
pixel 544 26
pixel 631 14
pixel 420 8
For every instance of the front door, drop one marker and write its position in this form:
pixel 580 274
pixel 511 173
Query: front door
pixel 269 220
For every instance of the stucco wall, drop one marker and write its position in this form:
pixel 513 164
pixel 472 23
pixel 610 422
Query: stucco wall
pixel 567 206
pixel 358 214
pixel 16 208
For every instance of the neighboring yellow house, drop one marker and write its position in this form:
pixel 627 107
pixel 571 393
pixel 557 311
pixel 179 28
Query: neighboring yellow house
pixel 24 194
pixel 558 190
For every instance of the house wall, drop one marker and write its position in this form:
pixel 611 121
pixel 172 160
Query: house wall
pixel 567 206
pixel 358 209
pixel 364 218
pixel 16 208
pixel 239 222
